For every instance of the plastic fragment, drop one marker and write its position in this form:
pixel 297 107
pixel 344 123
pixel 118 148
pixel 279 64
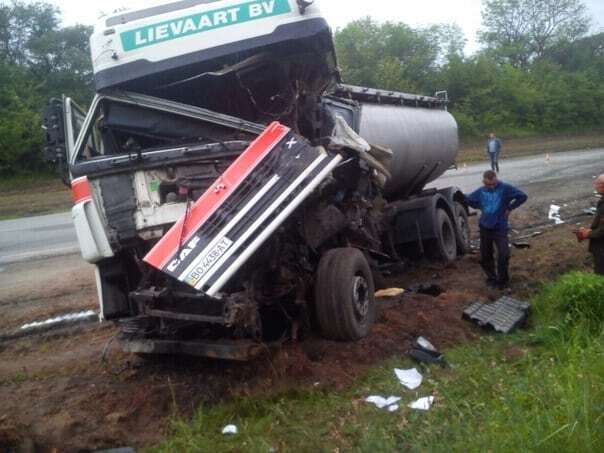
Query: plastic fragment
pixel 229 429
pixel 422 404
pixel 411 379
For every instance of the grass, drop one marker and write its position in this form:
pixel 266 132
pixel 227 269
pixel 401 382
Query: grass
pixel 29 195
pixel 474 151
pixel 537 390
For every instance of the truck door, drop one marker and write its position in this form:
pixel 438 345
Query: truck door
pixel 63 122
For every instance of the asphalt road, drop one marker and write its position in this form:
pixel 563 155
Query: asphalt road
pixel 37 237
pixel 564 179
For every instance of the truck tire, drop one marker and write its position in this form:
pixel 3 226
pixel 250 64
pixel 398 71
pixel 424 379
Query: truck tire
pixel 462 231
pixel 344 295
pixel 444 246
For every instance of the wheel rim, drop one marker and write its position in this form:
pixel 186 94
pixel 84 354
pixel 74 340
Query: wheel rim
pixel 360 296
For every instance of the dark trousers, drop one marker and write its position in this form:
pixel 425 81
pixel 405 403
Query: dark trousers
pixel 494 161
pixel 599 263
pixel 489 241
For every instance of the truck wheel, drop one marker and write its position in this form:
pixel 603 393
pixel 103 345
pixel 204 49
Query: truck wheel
pixel 463 229
pixel 344 295
pixel 444 246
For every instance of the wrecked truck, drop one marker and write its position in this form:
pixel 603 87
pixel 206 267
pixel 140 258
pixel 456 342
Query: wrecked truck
pixel 232 192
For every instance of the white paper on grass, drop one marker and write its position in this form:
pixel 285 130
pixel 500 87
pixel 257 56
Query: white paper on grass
pixel 422 404
pixel 229 429
pixel 393 408
pixel 411 379
pixel 381 402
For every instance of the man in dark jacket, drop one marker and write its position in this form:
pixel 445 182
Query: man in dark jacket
pixel 493 151
pixel 496 200
pixel 595 234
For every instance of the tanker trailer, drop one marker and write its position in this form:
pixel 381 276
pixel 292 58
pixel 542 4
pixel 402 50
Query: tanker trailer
pixel 241 196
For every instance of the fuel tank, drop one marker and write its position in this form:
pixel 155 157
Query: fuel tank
pixel 424 142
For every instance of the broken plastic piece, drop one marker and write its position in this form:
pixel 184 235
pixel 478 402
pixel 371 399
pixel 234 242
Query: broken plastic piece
pixel 424 352
pixel 390 292
pixel 411 379
pixel 422 404
pixel 503 315
pixel 423 343
pixel 554 214
pixel 380 402
pixel 229 429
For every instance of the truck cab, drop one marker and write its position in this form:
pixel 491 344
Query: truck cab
pixel 223 186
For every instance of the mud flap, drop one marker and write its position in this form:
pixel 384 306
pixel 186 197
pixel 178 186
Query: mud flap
pixel 242 209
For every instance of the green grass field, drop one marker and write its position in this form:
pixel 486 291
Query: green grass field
pixel 474 150
pixel 24 196
pixel 541 389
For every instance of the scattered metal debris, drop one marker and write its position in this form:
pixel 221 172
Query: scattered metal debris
pixel 504 315
pixel 590 211
pixel 424 352
pixel 51 325
pixel 68 318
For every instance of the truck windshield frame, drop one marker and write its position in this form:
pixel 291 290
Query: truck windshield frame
pixel 88 140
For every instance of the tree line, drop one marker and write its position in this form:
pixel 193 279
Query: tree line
pixel 537 73
pixel 538 70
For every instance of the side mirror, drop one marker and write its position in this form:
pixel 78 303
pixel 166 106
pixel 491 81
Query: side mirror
pixel 55 149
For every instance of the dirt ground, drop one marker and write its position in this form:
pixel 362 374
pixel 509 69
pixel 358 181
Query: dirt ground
pixel 58 392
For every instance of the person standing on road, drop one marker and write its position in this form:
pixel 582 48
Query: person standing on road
pixel 493 151
pixel 595 234
pixel 496 200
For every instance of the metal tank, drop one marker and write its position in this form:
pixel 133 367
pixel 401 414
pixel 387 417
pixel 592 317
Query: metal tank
pixel 424 143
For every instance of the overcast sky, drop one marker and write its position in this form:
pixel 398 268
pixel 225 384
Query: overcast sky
pixel 465 13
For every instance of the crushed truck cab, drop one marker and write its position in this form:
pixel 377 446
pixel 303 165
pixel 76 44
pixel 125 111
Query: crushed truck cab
pixel 232 192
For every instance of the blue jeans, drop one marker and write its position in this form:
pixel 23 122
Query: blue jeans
pixel 494 161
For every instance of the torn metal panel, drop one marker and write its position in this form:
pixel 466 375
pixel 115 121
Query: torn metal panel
pixel 504 315
pixel 240 211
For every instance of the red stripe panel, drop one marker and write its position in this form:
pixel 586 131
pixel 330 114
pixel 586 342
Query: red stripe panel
pixel 213 198
pixel 80 190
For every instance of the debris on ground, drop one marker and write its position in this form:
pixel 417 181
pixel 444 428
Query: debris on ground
pixel 390 292
pixel 411 379
pixel 229 429
pixel 380 402
pixel 72 317
pixel 590 211
pixel 504 315
pixel 521 245
pixel 422 404
pixel 554 214
pixel 429 289
pixel 424 352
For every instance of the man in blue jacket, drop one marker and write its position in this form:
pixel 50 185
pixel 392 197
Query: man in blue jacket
pixel 496 200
